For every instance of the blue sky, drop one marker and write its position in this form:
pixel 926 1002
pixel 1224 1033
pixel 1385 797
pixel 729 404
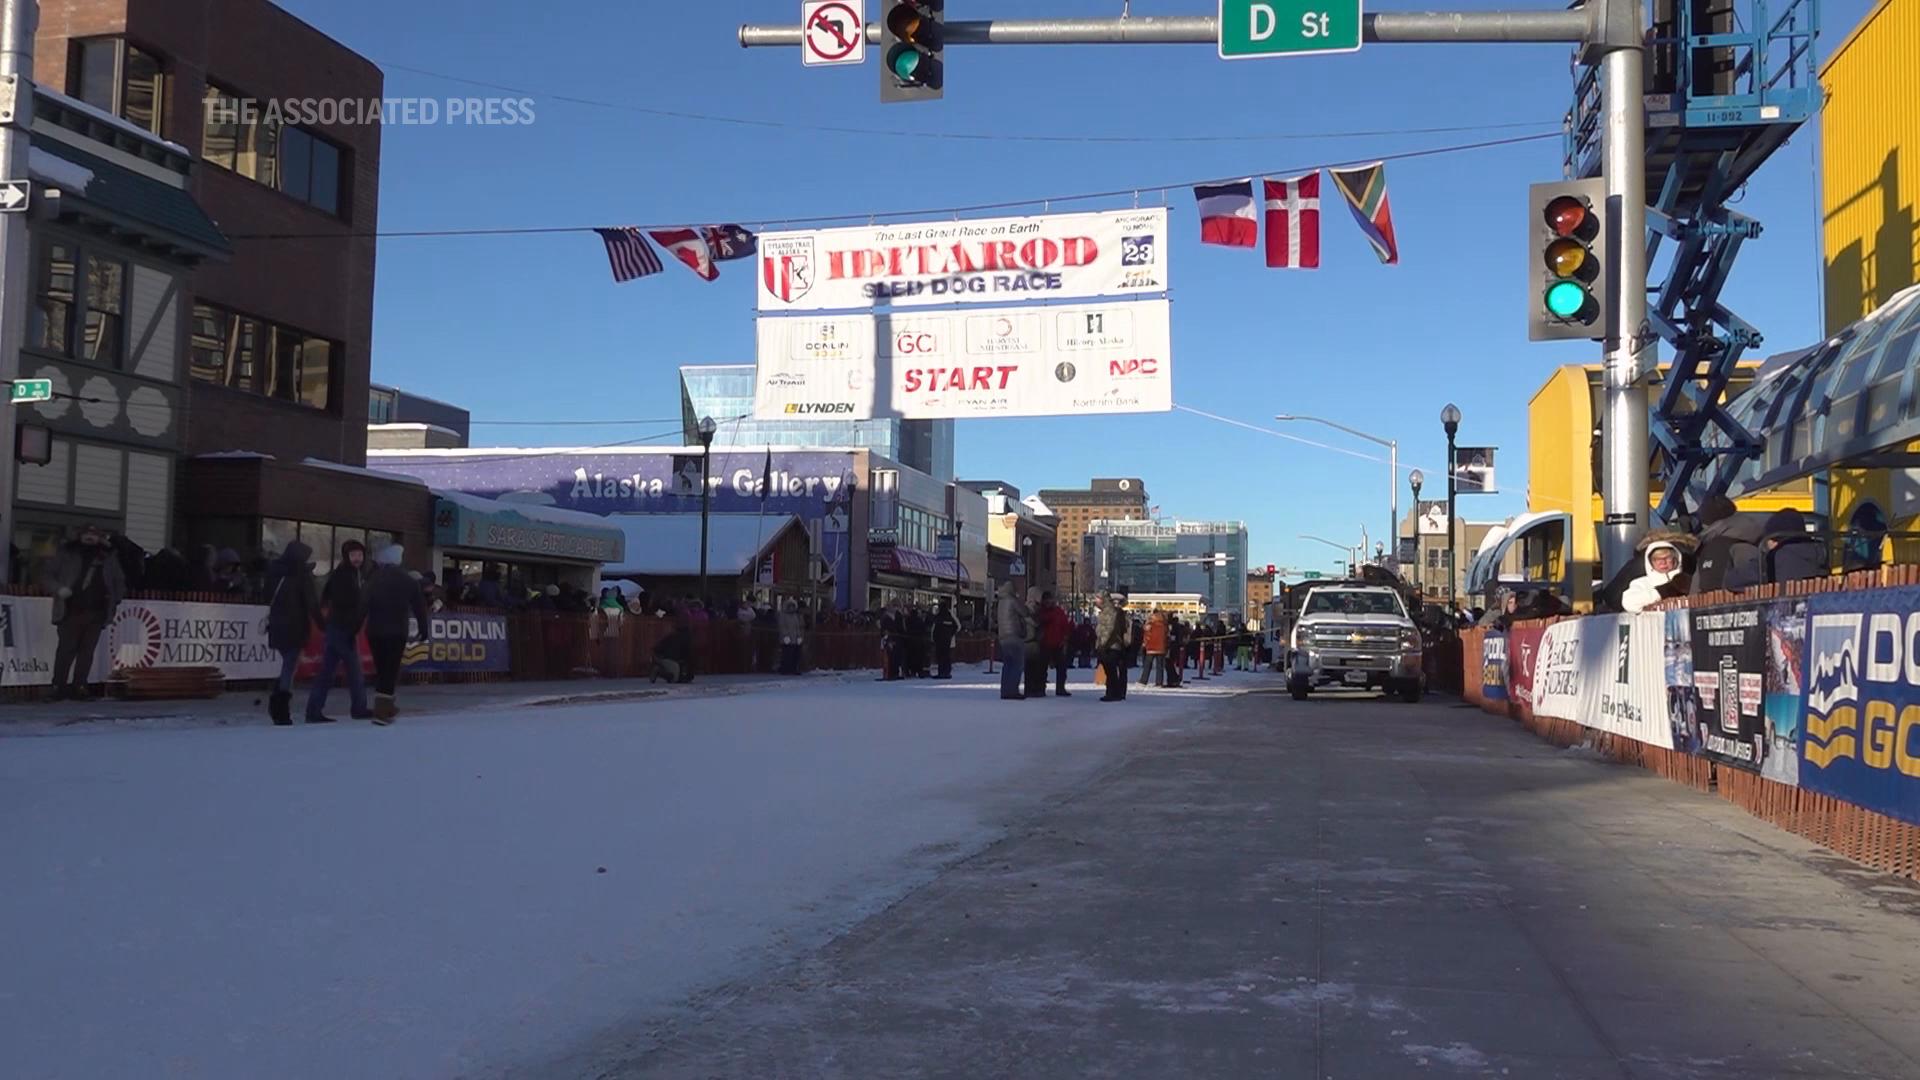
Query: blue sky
pixel 532 328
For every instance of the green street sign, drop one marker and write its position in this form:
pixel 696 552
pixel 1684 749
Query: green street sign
pixel 28 391
pixel 1310 575
pixel 1254 28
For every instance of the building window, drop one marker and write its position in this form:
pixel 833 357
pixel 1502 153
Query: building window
pixel 260 357
pixel 380 407
pixel 60 309
pixel 241 136
pixel 106 311
pixel 125 80
pixel 52 313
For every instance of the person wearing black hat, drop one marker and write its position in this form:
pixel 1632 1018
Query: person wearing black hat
pixel 345 601
pixel 87 585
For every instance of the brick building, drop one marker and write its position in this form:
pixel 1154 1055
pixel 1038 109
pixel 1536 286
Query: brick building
pixel 279 337
pixel 1074 509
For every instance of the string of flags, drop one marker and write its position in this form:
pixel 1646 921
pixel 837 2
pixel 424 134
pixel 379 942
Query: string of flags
pixel 700 248
pixel 1227 219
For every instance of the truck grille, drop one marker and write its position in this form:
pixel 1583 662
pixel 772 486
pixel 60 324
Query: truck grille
pixel 1356 637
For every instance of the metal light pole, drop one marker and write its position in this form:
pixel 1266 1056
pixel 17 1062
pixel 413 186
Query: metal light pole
pixel 707 428
pixel 18 20
pixel 1346 549
pixel 1393 464
pixel 1414 481
pixel 1450 419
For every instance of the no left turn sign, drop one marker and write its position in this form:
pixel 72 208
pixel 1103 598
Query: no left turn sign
pixel 834 33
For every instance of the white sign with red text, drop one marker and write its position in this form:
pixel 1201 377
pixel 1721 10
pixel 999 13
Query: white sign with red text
pixel 986 261
pixel 967 363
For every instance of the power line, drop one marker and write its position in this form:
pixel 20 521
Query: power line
pixel 939 211
pixel 576 423
pixel 969 136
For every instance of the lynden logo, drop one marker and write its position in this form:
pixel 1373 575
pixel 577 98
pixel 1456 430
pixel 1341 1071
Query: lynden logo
pixel 821 408
pixel 1127 369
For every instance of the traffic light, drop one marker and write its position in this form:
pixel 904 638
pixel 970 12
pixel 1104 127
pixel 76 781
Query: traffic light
pixel 1567 247
pixel 910 64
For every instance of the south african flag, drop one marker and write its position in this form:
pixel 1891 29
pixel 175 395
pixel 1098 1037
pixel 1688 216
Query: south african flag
pixel 1365 189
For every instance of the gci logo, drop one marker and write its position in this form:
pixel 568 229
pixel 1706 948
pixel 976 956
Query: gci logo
pixel 913 343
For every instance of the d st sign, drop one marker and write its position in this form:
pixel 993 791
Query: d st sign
pixel 1250 29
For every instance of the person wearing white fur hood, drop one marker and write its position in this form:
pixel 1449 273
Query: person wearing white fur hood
pixel 1665 570
pixel 393 597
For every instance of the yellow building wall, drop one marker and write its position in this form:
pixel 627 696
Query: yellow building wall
pixel 1870 189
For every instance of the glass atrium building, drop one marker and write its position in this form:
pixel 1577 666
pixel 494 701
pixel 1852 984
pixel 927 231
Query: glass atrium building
pixel 725 392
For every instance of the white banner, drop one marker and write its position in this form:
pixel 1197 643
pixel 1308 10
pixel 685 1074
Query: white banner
pixel 144 633
pixel 1608 672
pixel 1039 361
pixel 986 261
pixel 26 640
pixel 171 633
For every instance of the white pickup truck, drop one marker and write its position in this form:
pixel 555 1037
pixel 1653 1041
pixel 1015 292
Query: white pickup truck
pixel 1358 637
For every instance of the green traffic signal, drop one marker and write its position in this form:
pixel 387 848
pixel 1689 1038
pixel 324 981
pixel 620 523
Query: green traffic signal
pixel 1566 299
pixel 905 63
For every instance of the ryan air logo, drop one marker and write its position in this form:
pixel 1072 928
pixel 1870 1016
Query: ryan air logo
pixel 1863 693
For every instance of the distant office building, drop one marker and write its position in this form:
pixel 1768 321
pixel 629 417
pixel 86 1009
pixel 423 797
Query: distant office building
pixel 394 408
pixel 1259 589
pixel 1204 557
pixel 1077 508
pixel 725 392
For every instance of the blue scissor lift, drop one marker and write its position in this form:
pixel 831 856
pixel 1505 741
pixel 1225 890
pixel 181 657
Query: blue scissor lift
pixel 1727 82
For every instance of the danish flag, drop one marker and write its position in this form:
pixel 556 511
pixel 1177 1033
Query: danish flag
pixel 1293 222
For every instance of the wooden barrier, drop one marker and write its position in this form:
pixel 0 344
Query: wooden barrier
pixel 1869 838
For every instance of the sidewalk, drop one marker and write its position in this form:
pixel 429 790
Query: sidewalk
pixel 1344 890
pixel 249 708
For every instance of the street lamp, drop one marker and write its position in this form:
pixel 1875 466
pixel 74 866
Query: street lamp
pixel 1450 419
pixel 1393 464
pixel 707 428
pixel 1419 555
pixel 1350 561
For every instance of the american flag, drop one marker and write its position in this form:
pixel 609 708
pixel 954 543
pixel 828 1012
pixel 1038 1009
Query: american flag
pixel 631 255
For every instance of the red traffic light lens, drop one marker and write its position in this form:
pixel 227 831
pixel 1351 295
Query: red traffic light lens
pixel 1568 216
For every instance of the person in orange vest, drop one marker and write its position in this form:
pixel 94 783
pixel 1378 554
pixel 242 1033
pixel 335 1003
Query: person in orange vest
pixel 1154 645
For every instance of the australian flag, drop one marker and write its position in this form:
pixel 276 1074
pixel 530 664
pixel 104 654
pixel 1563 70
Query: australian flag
pixel 731 242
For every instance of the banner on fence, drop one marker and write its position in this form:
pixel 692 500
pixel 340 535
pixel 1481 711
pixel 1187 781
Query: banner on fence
pixel 1786 688
pixel 1609 673
pixel 1730 678
pixel 26 641
pixel 462 643
pixel 1523 652
pixel 1493 666
pixel 1861 738
pixel 176 633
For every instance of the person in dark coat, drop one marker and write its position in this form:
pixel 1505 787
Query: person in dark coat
pixel 945 629
pixel 293 613
pixel 87 588
pixel 395 605
pixel 345 601
pixel 1728 547
pixel 913 630
pixel 1789 552
pixel 167 571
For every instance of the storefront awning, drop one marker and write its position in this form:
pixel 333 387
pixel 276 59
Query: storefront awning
pixel 905 560
pixel 471 523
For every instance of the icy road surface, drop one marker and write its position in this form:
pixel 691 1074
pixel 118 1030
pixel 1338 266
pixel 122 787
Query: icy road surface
pixel 463 894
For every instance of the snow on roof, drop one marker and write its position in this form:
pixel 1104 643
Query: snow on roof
pixel 51 168
pixel 668 545
pixel 549 515
pixel 375 474
pixel 106 117
pixel 1038 506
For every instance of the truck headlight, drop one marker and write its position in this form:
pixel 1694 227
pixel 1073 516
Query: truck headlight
pixel 1410 639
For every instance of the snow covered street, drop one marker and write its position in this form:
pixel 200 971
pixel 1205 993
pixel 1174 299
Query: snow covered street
pixel 464 893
